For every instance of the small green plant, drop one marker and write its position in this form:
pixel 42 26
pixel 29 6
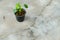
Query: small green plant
pixel 19 7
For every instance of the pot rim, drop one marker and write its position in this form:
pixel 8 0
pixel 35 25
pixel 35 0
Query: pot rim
pixel 22 15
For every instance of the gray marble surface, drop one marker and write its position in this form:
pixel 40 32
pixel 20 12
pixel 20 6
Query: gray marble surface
pixel 42 21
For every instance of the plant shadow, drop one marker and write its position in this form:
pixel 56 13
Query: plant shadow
pixel 27 18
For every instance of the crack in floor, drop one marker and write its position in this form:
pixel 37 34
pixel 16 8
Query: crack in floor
pixel 45 7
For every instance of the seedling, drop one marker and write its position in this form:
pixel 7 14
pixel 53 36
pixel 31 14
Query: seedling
pixel 20 12
pixel 19 7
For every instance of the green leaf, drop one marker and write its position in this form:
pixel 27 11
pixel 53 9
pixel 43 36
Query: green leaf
pixel 25 5
pixel 18 6
pixel 20 10
pixel 14 10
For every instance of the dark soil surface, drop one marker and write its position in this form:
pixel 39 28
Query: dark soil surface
pixel 18 13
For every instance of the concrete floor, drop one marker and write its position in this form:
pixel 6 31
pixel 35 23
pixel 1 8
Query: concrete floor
pixel 41 21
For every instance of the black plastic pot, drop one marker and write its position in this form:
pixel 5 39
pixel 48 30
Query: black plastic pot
pixel 21 18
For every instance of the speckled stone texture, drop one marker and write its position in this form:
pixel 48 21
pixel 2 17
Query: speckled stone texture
pixel 42 21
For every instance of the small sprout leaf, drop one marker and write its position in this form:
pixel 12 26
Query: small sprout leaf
pixel 14 10
pixel 18 6
pixel 25 5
